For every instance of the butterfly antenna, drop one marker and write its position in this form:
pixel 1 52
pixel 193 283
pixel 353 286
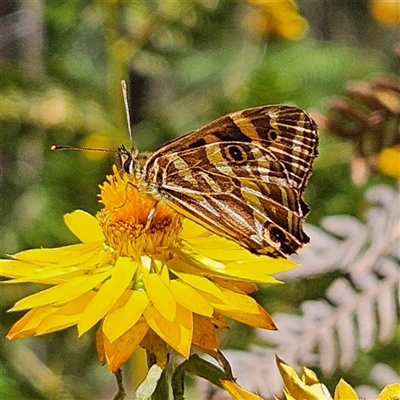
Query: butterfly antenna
pixel 126 104
pixel 56 147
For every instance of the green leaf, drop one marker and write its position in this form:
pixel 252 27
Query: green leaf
pixel 196 366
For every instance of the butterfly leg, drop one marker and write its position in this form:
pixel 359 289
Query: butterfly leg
pixel 150 217
pixel 126 197
pixel 152 210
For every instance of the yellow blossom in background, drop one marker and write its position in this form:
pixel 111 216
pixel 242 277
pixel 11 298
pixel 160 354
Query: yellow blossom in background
pixel 308 386
pixel 148 282
pixel 386 12
pixel 390 392
pixel 276 18
pixel 389 161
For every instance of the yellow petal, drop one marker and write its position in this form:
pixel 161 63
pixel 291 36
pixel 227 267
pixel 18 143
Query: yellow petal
pixel 121 319
pixel 50 276
pixel 62 293
pixel 15 269
pixel 51 265
pixel 238 302
pixel 344 391
pixel 178 333
pixel 108 294
pixel 320 391
pixel 255 269
pixel 309 377
pixel 66 316
pixel 84 226
pixel 161 297
pixel 218 248
pixel 87 283
pixel 190 298
pixel 210 246
pixel 293 384
pixel 100 337
pixel 199 282
pixel 288 396
pixel 27 325
pixel 210 263
pixel 390 392
pixel 260 320
pixel 204 334
pixel 162 271
pixel 202 241
pixel 265 266
pixel 236 286
pixel 237 392
pixel 119 351
pixel 191 230
pixel 231 301
pixel 64 255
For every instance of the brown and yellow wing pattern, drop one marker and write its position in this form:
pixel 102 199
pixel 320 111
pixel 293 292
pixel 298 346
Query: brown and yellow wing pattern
pixel 241 176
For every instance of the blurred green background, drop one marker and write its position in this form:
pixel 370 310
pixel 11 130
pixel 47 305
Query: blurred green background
pixel 186 63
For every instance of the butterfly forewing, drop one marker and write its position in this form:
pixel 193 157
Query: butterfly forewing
pixel 241 176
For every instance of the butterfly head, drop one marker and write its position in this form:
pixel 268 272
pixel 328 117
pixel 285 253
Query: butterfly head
pixel 132 161
pixel 129 160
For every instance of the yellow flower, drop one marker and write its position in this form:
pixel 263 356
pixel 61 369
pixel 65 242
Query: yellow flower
pixel 386 12
pixel 149 281
pixel 389 161
pixel 277 18
pixel 308 386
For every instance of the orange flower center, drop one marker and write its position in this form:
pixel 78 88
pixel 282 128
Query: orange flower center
pixel 134 223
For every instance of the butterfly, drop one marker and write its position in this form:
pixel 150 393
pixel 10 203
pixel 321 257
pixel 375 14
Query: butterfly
pixel 242 176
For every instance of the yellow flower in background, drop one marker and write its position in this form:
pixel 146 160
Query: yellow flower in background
pixel 389 161
pixel 308 386
pixel 386 12
pixel 150 282
pixel 277 18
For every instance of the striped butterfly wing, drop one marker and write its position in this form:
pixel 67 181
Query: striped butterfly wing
pixel 242 176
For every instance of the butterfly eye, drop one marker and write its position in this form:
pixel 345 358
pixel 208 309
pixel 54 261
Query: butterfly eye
pixel 129 165
pixel 127 161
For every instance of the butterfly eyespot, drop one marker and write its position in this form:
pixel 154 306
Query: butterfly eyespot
pixel 277 235
pixel 272 135
pixel 235 154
